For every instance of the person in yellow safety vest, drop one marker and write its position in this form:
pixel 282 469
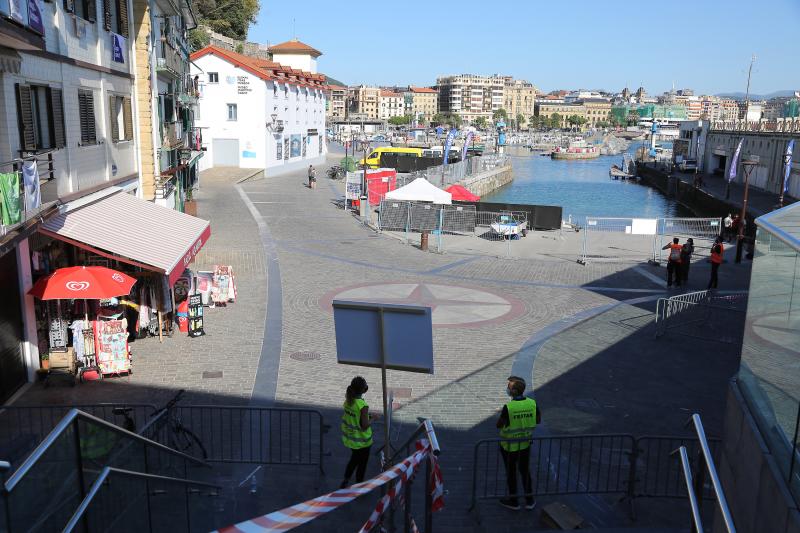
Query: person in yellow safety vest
pixel 717 252
pixel 356 430
pixel 517 421
pixel 673 262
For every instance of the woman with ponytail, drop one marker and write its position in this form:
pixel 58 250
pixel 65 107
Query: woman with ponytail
pixel 356 430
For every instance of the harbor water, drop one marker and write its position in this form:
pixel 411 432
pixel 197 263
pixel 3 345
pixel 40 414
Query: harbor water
pixel 582 188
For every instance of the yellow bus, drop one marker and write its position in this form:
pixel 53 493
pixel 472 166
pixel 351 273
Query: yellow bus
pixel 373 160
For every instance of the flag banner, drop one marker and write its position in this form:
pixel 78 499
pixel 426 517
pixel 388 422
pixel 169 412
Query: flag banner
pixel 448 144
pixel 735 161
pixel 788 171
pixel 467 140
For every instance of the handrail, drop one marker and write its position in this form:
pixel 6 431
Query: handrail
pixel 105 473
pixel 712 472
pixel 687 474
pixel 425 425
pixel 62 426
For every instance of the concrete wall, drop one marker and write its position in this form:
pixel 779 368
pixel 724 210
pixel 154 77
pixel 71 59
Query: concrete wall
pixel 758 497
pixel 488 181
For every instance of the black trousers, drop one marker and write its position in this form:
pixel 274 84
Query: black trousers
pixel 673 267
pixel 712 283
pixel 685 270
pixel 357 463
pixel 518 461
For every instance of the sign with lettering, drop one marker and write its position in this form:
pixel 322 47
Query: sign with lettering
pixel 243 85
pixel 196 315
pixel 35 21
pixel 118 45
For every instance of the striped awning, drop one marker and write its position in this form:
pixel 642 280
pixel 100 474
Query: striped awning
pixel 133 231
pixel 10 60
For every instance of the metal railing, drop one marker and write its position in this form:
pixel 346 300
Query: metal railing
pixel 705 463
pixel 15 211
pixel 445 175
pixel 53 480
pixel 700 314
pixel 101 517
pixel 587 464
pixel 241 434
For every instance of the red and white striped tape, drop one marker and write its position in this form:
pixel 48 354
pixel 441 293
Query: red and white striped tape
pixel 437 485
pixel 301 513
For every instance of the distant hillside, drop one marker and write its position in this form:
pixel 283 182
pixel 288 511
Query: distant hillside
pixel 333 81
pixel 741 96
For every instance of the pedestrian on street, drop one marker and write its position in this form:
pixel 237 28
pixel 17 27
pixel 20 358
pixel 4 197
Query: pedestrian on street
pixel 312 177
pixel 686 259
pixel 356 430
pixel 517 421
pixel 727 225
pixel 717 251
pixel 673 262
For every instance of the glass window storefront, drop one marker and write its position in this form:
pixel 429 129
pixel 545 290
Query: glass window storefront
pixel 769 376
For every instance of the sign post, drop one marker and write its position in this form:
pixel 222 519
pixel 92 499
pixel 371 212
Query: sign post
pixel 385 336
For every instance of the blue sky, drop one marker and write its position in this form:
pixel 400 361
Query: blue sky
pixel 701 44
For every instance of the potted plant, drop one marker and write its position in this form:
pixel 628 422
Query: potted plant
pixel 190 205
pixel 44 361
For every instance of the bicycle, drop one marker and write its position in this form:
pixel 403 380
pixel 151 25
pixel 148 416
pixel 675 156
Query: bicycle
pixel 179 437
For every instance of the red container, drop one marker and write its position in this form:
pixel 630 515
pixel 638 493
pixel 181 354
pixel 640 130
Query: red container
pixel 183 316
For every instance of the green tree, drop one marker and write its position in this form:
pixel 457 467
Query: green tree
pixel 231 18
pixel 454 120
pixel 500 114
pixel 556 120
pixel 479 123
pixel 400 121
pixel 520 120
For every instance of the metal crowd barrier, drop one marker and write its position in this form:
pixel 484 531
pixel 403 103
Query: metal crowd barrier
pixel 588 464
pixel 699 314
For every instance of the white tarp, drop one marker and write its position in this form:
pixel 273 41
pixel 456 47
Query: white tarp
pixel 420 190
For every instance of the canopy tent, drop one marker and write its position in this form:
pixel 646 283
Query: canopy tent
pixel 462 194
pixel 420 190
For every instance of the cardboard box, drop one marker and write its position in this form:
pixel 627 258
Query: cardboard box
pixel 65 360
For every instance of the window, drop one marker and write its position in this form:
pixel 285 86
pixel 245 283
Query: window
pixel 213 77
pixel 232 112
pixel 40 113
pixel 121 118
pixel 275 92
pixel 85 9
pixel 86 114
pixel 115 16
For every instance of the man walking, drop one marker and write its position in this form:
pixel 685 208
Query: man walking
pixel 686 259
pixel 673 262
pixel 727 225
pixel 517 421
pixel 716 260
pixel 312 177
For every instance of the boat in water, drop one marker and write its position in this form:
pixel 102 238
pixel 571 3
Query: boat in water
pixel 578 149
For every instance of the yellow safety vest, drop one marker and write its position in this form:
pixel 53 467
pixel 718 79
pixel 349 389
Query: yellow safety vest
pixel 521 421
pixel 352 435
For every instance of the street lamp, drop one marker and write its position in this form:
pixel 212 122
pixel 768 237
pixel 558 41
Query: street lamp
pixel 748 165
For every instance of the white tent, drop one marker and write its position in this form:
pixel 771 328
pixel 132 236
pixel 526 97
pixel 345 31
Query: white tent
pixel 420 190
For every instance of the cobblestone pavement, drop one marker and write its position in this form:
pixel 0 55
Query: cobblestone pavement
pixel 322 251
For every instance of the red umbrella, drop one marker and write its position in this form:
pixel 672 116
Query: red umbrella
pixel 461 193
pixel 82 282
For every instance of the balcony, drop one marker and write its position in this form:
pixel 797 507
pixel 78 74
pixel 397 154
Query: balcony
pixel 172 135
pixel 16 208
pixel 170 62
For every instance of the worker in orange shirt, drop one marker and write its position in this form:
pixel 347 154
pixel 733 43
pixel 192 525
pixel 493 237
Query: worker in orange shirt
pixel 673 262
pixel 717 252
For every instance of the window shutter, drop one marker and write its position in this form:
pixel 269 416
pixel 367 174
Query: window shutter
pixel 107 14
pixel 69 6
pixel 91 10
pixel 112 106
pixel 82 116
pixel 90 117
pixel 122 9
pixel 127 118
pixel 57 110
pixel 25 117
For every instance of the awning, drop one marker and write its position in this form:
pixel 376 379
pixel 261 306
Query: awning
pixel 133 231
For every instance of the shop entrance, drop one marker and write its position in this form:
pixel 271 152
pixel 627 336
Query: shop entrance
pixel 12 366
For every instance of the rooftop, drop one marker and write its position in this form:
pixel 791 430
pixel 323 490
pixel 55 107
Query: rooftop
pixel 422 90
pixel 390 94
pixel 294 47
pixel 264 69
pixel 784 224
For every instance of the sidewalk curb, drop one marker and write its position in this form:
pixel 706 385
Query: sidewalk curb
pixel 249 176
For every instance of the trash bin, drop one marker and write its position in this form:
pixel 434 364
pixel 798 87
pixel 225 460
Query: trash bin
pixel 423 241
pixel 363 205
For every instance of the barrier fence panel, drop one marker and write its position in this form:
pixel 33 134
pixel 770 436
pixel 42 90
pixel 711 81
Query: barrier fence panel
pixel 610 239
pixel 702 315
pixel 22 428
pixel 703 231
pixel 658 469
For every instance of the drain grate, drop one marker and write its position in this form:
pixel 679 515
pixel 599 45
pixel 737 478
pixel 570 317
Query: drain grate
pixel 216 374
pixel 305 356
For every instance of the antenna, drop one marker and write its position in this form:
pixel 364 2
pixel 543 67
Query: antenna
pixel 294 30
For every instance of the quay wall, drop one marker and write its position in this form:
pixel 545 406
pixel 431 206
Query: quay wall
pixel 489 180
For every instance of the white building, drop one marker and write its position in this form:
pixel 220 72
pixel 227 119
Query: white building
pixel 390 104
pixel 296 54
pixel 470 96
pixel 256 113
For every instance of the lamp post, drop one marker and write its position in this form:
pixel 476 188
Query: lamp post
pixel 748 165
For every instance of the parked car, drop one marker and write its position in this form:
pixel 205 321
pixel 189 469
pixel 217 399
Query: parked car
pixel 688 165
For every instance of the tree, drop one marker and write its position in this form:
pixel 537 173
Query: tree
pixel 479 123
pixel 438 118
pixel 520 120
pixel 400 121
pixel 556 120
pixel 500 114
pixel 231 18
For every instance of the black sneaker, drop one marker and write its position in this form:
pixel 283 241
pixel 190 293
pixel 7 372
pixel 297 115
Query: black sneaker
pixel 510 503
pixel 530 504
